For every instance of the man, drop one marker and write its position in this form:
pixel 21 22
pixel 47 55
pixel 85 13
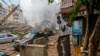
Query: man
pixel 64 40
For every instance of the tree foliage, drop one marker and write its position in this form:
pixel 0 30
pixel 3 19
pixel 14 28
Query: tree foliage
pixel 90 5
pixel 50 1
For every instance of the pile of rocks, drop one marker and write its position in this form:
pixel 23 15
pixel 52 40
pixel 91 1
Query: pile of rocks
pixel 15 27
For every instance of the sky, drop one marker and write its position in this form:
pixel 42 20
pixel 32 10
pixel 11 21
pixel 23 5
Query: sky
pixel 9 3
pixel 18 1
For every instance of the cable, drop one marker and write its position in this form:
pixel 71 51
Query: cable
pixel 4 2
pixel 13 3
pixel 13 10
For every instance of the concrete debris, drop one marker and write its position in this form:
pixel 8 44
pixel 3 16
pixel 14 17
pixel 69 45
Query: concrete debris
pixel 15 27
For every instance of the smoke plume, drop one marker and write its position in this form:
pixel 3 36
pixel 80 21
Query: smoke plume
pixel 39 14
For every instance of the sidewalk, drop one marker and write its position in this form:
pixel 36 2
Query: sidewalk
pixel 52 47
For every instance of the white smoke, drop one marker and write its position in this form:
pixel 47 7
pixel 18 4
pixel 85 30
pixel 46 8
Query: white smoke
pixel 39 13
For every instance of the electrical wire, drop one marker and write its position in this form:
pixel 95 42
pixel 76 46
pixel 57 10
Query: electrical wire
pixel 12 3
pixel 13 10
pixel 4 19
pixel 4 2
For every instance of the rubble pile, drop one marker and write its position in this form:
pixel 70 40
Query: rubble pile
pixel 7 48
pixel 15 27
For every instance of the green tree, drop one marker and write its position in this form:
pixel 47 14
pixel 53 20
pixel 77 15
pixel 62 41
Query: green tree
pixel 50 1
pixel 90 38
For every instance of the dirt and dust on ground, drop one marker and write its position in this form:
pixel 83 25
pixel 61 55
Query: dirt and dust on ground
pixel 52 47
pixel 52 50
pixel 7 47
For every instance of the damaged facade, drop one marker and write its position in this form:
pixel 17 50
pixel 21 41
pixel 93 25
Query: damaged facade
pixel 15 16
pixel 3 12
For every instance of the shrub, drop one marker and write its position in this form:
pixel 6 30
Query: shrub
pixel 19 34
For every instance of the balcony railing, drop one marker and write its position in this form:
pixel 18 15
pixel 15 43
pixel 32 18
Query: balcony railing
pixel 66 3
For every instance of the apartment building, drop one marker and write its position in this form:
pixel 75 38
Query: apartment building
pixel 3 12
pixel 15 16
pixel 67 5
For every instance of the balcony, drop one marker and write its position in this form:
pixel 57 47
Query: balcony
pixel 66 3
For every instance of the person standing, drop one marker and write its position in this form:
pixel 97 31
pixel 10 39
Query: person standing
pixel 64 40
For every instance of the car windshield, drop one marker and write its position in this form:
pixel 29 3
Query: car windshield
pixel 2 36
pixel 9 35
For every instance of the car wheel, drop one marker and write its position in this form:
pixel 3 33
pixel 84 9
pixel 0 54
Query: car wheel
pixel 13 40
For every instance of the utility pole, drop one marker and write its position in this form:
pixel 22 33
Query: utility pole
pixel 4 19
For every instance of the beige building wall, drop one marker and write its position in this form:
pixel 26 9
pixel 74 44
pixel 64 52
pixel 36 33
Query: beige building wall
pixel 15 16
pixel 66 3
pixel 10 18
pixel 3 12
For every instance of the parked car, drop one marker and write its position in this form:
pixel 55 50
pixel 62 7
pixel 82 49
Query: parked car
pixel 4 38
pixel 28 38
